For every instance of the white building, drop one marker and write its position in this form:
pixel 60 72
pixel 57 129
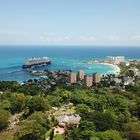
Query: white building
pixel 125 63
pixel 109 59
pixel 115 59
pixel 119 59
pixel 68 118
pixel 127 81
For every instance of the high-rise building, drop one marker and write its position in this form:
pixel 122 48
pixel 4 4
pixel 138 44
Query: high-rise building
pixel 88 81
pixel 119 59
pixel 109 59
pixel 72 77
pixel 96 78
pixel 80 75
pixel 115 59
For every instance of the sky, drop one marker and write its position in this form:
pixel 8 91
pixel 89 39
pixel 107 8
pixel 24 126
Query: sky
pixel 70 22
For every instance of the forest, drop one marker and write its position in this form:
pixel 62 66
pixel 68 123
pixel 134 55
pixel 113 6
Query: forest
pixel 106 113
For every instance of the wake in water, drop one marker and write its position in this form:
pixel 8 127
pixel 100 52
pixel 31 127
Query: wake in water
pixel 14 71
pixel 65 58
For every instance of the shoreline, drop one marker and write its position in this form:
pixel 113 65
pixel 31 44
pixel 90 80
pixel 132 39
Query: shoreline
pixel 117 70
pixel 116 67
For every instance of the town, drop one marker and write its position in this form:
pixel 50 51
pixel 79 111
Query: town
pixel 119 79
pixel 63 104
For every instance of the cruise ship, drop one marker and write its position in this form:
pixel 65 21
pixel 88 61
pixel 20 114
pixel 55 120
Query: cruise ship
pixel 34 62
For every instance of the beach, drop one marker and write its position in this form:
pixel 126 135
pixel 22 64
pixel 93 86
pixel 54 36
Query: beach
pixel 116 67
pixel 63 58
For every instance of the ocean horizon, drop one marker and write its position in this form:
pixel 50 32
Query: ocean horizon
pixel 62 57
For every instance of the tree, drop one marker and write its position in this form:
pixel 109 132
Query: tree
pixel 4 119
pixel 17 102
pixel 134 135
pixel 56 101
pixel 31 89
pixel 82 108
pixel 87 125
pixel 52 134
pixel 37 104
pixel 72 133
pixel 9 85
pixel 66 96
pixel 34 127
pixel 6 105
pixel 109 135
pixel 130 73
pixel 102 121
pixel 86 134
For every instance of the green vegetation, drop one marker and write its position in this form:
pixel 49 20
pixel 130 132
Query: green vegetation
pixel 106 114
pixel 34 127
pixel 4 119
pixel 58 137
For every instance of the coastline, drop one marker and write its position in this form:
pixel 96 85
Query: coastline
pixel 116 67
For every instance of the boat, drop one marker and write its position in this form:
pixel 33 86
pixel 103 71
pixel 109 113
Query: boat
pixel 34 62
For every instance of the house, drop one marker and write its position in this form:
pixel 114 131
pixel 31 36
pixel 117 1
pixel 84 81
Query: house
pixel 125 63
pixel 68 118
pixel 127 81
pixel 115 81
pixel 135 71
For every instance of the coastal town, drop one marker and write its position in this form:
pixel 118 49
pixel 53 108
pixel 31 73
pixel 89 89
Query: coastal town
pixel 69 69
pixel 66 99
pixel 119 79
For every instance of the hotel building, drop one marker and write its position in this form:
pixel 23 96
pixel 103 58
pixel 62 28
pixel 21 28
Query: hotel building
pixel 88 80
pixel 110 59
pixel 72 77
pixel 96 78
pixel 115 59
pixel 80 75
pixel 119 59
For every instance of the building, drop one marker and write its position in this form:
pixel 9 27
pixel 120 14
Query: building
pixel 115 59
pixel 80 75
pixel 127 81
pixel 72 77
pixel 88 81
pixel 135 71
pixel 115 82
pixel 96 78
pixel 109 59
pixel 68 118
pixel 125 63
pixel 119 59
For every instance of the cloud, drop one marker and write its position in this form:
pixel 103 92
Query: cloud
pixel 15 33
pixel 50 39
pixel 25 37
pixel 88 38
pixel 65 39
pixel 135 38
pixel 49 33
pixel 113 38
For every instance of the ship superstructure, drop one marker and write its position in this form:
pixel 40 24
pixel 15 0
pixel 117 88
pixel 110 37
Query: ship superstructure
pixel 32 62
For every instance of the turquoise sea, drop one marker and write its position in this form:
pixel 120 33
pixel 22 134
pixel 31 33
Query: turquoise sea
pixel 63 58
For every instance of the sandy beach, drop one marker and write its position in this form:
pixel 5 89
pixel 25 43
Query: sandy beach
pixel 117 69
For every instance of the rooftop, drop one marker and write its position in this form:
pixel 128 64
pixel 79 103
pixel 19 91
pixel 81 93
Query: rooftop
pixel 69 118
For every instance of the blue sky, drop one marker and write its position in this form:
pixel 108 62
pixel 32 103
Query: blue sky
pixel 70 22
